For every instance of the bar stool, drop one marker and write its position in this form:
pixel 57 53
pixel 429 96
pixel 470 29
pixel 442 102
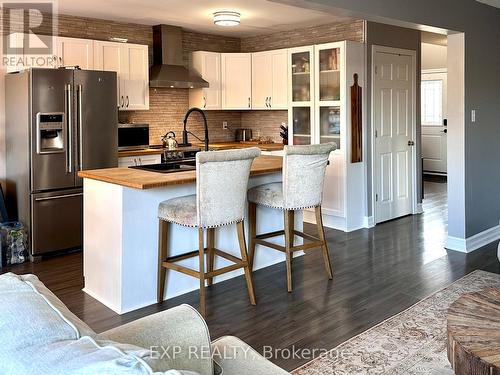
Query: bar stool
pixel 302 187
pixel 221 186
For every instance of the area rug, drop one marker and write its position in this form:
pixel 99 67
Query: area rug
pixel 411 342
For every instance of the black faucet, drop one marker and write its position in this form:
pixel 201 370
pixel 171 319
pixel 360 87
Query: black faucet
pixel 185 132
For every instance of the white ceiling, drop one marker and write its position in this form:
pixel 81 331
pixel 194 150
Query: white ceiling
pixel 257 16
pixel 493 3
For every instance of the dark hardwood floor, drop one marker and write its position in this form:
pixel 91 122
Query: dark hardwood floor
pixel 378 273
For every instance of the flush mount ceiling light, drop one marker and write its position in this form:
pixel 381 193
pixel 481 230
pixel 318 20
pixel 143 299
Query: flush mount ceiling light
pixel 227 18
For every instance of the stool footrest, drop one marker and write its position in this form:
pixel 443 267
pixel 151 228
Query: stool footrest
pixel 226 269
pixel 270 234
pixel 306 236
pixel 179 257
pixel 227 256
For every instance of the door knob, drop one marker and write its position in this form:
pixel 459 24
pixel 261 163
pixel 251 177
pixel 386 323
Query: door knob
pixel 444 131
pixel 411 143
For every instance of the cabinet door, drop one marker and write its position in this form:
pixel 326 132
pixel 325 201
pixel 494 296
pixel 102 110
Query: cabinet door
pixel 301 83
pixel 108 56
pixel 76 52
pixel 262 80
pixel 149 159
pixel 14 62
pixel 279 93
pixel 128 161
pixel 328 60
pixel 211 73
pixel 135 80
pixel 236 80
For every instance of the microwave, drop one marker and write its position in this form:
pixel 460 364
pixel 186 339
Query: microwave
pixel 133 136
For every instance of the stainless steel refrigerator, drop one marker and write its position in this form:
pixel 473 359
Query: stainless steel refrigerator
pixel 58 122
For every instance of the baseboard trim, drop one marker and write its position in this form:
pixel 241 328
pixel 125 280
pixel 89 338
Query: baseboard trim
pixel 368 222
pixel 474 242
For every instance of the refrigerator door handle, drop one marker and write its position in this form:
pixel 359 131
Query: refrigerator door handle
pixel 58 197
pixel 69 127
pixel 80 127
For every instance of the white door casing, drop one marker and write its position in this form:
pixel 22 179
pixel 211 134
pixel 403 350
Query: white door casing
pixel 434 133
pixel 393 103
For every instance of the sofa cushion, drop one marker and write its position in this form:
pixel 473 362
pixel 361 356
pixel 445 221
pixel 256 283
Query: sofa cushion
pixel 33 316
pixel 39 335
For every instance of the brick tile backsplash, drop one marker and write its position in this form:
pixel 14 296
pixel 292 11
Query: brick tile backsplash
pixel 264 123
pixel 166 113
pixel 334 32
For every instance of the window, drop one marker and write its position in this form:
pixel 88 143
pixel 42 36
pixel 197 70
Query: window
pixel 432 102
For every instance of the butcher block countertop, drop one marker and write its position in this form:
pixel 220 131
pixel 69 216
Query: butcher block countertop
pixel 140 179
pixel 214 146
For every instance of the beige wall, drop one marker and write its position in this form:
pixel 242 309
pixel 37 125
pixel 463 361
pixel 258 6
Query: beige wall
pixel 434 56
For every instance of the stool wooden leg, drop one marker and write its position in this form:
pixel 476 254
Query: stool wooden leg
pixel 288 251
pixel 162 256
pixel 202 270
pixel 252 232
pixel 291 227
pixel 210 253
pixel 324 247
pixel 243 248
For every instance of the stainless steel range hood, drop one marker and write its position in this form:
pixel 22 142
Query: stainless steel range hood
pixel 168 69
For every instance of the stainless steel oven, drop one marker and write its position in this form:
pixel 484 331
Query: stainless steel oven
pixel 133 136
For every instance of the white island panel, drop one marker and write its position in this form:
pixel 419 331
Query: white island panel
pixel 121 243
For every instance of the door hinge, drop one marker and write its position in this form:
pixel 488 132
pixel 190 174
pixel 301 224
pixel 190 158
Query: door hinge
pixel 376 69
pixel 376 197
pixel 376 133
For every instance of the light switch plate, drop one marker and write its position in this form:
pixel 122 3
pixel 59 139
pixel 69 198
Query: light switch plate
pixel 224 125
pixel 473 115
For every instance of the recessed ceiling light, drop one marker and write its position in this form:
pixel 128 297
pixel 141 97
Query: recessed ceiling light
pixel 227 18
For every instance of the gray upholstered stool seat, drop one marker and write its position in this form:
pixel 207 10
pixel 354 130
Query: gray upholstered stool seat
pixel 181 210
pixel 270 195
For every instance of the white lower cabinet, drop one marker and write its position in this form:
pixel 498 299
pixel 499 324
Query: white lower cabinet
pixel 135 161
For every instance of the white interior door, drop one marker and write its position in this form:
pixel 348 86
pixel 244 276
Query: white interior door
pixel 434 112
pixel 393 114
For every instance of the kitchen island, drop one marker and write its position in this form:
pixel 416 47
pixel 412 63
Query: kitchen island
pixel 121 233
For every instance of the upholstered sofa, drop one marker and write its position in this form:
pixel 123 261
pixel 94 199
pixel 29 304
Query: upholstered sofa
pixel 39 335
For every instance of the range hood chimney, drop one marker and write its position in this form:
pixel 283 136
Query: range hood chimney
pixel 168 69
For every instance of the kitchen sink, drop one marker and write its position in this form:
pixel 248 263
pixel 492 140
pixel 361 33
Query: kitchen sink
pixel 169 166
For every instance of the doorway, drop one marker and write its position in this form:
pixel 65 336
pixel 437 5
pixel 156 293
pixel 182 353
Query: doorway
pixel 394 80
pixel 434 106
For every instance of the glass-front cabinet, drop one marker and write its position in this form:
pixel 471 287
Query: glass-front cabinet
pixel 316 93
pixel 328 92
pixel 301 108
pixel 319 111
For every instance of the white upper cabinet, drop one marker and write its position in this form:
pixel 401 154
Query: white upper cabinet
pixel 75 52
pixel 108 56
pixel 236 78
pixel 208 66
pixel 134 82
pixel 262 80
pixel 269 80
pixel 130 62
